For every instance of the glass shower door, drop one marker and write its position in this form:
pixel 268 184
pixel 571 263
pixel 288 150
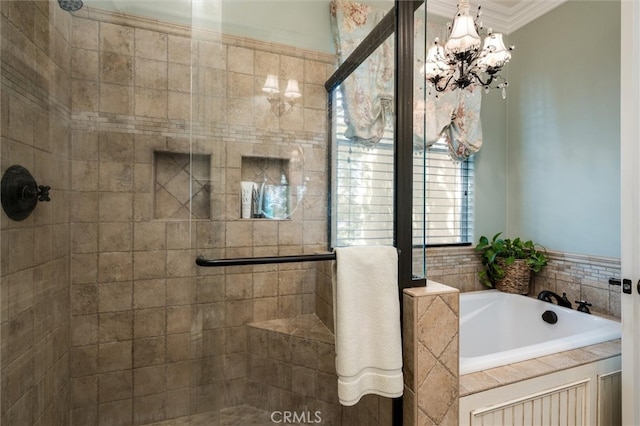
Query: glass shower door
pixel 364 138
pixel 259 112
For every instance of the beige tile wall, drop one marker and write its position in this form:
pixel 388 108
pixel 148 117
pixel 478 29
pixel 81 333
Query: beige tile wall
pixel 431 351
pixel 582 277
pixel 152 335
pixel 34 283
pixel 324 294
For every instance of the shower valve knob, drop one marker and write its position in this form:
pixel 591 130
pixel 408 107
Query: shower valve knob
pixel 43 193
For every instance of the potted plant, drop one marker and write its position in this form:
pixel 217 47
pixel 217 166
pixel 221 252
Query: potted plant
pixel 508 263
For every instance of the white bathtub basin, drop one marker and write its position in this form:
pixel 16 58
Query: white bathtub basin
pixel 499 328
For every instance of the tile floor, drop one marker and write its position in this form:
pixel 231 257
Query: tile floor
pixel 241 415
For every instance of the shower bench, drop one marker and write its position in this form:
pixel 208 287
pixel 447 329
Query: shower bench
pixel 291 366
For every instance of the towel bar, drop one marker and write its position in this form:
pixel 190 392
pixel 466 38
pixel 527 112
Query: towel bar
pixel 240 261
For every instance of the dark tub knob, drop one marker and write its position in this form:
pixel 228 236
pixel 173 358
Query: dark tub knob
pixel 550 317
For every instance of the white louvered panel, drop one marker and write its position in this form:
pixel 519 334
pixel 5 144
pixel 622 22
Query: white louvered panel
pixel 518 415
pixel 507 417
pixel 563 406
pixel 609 399
pixel 537 408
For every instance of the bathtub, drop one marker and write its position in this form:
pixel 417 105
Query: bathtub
pixel 498 328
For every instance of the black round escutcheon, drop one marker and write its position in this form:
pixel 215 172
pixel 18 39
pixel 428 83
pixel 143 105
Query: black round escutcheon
pixel 19 193
pixel 550 317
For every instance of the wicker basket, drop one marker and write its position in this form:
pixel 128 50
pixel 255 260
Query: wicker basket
pixel 517 277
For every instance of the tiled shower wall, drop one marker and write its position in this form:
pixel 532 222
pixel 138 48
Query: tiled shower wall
pixel 35 133
pixel 152 335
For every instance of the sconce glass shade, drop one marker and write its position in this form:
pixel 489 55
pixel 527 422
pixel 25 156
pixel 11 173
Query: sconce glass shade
pixel 281 104
pixel 271 85
pixel 464 36
pixel 292 91
pixel 494 52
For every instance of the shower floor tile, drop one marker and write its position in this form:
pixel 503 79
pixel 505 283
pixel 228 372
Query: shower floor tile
pixel 240 415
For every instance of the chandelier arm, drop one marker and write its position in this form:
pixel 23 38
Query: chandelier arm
pixel 477 77
pixel 461 65
pixel 444 87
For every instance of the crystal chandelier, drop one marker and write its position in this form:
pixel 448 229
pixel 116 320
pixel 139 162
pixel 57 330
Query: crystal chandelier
pixel 461 63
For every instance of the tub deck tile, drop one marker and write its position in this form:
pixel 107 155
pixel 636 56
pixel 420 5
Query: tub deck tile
pixel 533 368
pixel 495 377
pixel 606 349
pixel 476 382
pixel 506 374
pixel 569 359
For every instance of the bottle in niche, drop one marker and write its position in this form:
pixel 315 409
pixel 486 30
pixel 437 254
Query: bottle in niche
pixel 274 199
pixel 281 204
pixel 246 198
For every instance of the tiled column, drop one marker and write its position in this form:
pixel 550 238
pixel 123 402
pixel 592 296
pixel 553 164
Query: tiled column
pixel 431 348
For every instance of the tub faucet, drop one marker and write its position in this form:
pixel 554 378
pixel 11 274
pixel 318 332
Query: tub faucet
pixel 583 306
pixel 546 295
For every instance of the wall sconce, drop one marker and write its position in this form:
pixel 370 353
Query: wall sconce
pixel 279 105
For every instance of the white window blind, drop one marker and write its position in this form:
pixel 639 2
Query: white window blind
pixel 362 196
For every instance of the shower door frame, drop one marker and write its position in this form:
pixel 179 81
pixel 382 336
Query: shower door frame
pixel 399 20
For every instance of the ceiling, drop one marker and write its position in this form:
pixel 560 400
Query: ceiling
pixel 503 16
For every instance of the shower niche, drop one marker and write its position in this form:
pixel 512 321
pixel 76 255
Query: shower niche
pixel 182 185
pixel 264 188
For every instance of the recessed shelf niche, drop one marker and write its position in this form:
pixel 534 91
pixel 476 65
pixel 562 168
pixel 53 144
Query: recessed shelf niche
pixel 182 189
pixel 268 200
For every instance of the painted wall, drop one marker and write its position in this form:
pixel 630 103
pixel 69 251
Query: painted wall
pixel 490 198
pixel 563 151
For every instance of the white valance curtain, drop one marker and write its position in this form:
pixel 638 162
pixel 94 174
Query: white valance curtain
pixel 368 93
pixel 452 117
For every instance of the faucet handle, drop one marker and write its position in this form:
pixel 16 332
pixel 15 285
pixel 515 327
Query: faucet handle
pixel 583 306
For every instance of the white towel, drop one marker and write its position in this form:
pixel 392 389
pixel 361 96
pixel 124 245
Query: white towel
pixel 366 310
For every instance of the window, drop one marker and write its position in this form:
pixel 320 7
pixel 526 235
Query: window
pixel 362 193
pixel 449 197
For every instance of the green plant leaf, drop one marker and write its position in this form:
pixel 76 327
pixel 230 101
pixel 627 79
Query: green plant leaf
pixel 509 250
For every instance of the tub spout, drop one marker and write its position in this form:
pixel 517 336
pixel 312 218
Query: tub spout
pixel 546 295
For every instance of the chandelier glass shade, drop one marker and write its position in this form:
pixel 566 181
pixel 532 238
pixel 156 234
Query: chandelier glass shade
pixel 465 61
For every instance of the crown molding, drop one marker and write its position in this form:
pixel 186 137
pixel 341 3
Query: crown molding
pixel 497 15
